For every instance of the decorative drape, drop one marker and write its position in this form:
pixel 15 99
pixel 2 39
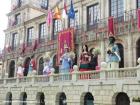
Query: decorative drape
pixel 138 19
pixel 65 37
pixel 111 26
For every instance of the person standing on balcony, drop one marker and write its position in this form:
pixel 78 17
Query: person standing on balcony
pixel 20 68
pixel 84 59
pixel 113 57
pixel 65 60
pixel 47 64
pixel 94 59
pixel 32 66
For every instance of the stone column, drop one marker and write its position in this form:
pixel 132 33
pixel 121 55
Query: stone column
pixel 102 9
pixel 103 52
pixel 134 56
pixel 80 16
pixel 138 71
pixel 130 51
pixel 36 31
pixel 74 73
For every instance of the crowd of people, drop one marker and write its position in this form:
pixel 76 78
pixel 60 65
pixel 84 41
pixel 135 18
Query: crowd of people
pixel 88 60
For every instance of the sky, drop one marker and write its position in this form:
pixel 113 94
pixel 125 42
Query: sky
pixel 4 9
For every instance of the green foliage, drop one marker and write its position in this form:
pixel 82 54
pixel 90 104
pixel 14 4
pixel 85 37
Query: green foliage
pixel 136 99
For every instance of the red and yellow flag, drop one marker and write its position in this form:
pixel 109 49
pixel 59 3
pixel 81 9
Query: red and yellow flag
pixel 57 13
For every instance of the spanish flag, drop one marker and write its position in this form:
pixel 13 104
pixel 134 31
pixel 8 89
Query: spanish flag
pixel 57 13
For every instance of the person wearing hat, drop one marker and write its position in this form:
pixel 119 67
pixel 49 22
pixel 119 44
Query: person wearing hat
pixel 65 60
pixel 113 54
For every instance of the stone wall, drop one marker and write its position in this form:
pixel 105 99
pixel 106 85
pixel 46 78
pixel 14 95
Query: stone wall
pixel 104 93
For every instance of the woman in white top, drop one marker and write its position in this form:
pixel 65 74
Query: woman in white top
pixel 20 69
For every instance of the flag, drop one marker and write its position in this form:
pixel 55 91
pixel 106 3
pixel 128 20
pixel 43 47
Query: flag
pixel 64 13
pixel 71 13
pixel 49 17
pixel 65 6
pixel 57 13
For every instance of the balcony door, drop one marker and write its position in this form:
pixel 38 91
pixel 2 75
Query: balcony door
pixel 121 51
pixel 26 66
pixel 41 66
pixel 11 69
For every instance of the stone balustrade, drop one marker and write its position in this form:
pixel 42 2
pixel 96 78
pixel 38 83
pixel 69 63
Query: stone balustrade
pixel 76 75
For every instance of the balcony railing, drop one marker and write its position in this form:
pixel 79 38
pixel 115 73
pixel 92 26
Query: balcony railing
pixel 84 33
pixel 113 74
pixel 122 25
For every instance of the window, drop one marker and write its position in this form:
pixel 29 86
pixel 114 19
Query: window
pixel 29 36
pixel 117 9
pixel 14 41
pixel 42 32
pixel 17 18
pixel 44 4
pixel 57 27
pixel 74 22
pixel 138 3
pixel 92 15
pixel 19 2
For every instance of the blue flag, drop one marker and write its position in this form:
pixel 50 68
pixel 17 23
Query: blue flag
pixel 71 13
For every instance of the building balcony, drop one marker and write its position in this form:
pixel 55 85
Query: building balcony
pixel 84 33
pixel 100 76
pixel 122 26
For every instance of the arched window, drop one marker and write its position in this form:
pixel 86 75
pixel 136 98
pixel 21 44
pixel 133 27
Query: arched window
pixel 11 69
pixel 121 51
pixel 61 99
pixel 26 66
pixel 122 99
pixel 8 99
pixel 137 50
pixel 41 66
pixel 40 98
pixel 55 65
pixel 23 98
pixel 88 99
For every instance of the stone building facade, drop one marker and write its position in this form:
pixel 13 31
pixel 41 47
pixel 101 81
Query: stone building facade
pixel 27 27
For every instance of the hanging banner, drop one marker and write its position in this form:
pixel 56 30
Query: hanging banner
pixel 65 37
pixel 138 19
pixel 110 26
